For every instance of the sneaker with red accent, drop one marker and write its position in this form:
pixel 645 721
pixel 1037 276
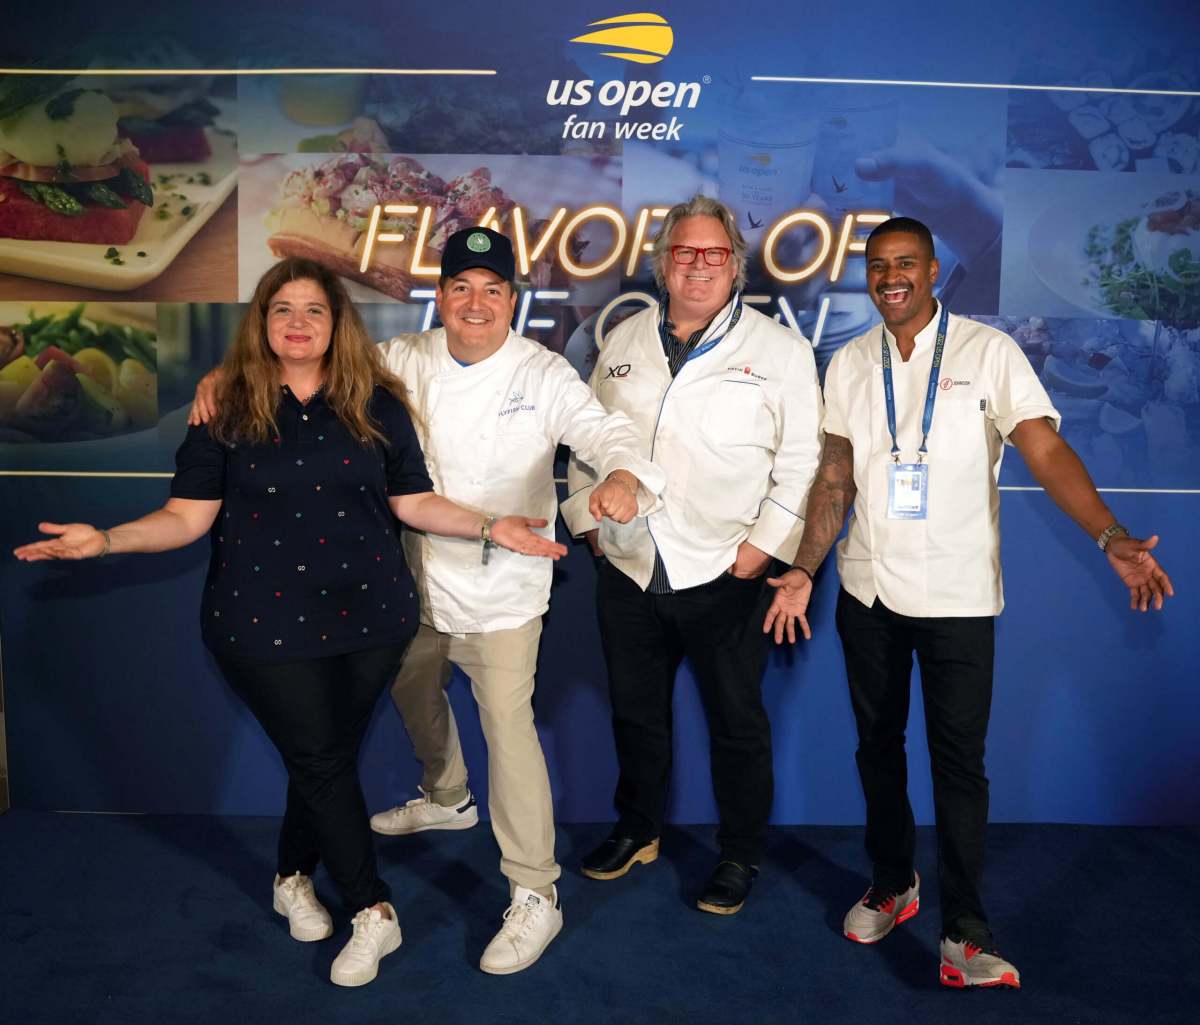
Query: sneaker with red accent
pixel 968 964
pixel 880 911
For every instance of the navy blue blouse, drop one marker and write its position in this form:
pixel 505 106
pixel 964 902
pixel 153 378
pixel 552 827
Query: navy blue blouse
pixel 306 558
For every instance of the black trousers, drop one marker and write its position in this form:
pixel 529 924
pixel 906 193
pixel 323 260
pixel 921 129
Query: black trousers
pixel 718 628
pixel 316 713
pixel 955 656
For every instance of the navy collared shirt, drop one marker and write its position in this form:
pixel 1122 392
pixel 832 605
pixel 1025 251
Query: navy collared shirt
pixel 306 558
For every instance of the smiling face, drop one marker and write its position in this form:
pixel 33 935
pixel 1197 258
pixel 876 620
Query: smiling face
pixel 299 323
pixel 476 307
pixel 697 290
pixel 900 276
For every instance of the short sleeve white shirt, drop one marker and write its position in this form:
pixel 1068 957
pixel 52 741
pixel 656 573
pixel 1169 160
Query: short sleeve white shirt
pixel 947 564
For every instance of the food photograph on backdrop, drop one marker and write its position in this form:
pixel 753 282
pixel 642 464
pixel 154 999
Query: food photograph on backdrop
pixel 117 184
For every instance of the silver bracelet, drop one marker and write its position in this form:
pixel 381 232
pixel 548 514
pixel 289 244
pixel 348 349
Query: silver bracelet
pixel 1114 529
pixel 107 544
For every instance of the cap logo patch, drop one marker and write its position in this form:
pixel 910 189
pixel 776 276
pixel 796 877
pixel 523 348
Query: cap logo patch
pixel 478 242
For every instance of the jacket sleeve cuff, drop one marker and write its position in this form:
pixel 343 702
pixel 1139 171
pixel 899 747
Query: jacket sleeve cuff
pixel 777 531
pixel 574 510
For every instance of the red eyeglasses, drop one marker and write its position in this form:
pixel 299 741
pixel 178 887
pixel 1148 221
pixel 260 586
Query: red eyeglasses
pixel 714 256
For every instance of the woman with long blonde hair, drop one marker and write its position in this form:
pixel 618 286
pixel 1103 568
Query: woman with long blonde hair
pixel 308 605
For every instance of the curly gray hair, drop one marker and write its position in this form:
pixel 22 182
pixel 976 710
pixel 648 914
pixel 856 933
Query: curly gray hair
pixel 700 206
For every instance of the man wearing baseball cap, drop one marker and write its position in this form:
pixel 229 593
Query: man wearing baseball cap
pixel 491 409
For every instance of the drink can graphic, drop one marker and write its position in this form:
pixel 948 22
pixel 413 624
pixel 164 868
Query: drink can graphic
pixel 764 164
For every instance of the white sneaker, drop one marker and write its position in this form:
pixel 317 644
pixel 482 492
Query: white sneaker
pixel 423 813
pixel 530 923
pixel 295 900
pixel 374 938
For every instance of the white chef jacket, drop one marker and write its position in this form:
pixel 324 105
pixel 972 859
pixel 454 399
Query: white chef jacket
pixel 489 432
pixel 949 563
pixel 736 431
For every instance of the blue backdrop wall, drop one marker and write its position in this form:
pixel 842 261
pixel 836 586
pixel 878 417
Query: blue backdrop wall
pixel 1068 217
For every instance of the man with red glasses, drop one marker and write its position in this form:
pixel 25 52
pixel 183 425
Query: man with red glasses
pixel 727 403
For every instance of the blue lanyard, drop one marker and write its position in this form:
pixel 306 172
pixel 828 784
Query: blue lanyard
pixel 730 322
pixel 889 392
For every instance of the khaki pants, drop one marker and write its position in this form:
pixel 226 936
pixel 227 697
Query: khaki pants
pixel 500 665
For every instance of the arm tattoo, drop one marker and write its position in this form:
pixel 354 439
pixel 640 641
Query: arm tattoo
pixel 829 499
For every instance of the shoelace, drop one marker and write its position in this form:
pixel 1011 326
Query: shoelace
pixel 518 918
pixel 366 923
pixel 972 949
pixel 299 887
pixel 878 899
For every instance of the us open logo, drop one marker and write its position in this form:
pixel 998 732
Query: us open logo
pixel 640 39
pixel 644 38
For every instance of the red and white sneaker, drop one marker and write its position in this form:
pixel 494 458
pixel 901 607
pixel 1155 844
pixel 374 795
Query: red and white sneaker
pixel 880 911
pixel 967 964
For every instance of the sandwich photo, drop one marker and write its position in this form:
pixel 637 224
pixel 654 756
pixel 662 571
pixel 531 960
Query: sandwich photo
pixel 66 175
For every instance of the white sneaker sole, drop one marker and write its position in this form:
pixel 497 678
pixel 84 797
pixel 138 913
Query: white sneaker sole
pixel 464 821
pixel 522 965
pixel 298 932
pixel 361 976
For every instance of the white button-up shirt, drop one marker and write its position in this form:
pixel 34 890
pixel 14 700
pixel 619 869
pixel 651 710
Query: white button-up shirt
pixel 737 432
pixel 489 432
pixel 947 564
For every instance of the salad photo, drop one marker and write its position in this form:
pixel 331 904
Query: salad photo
pixel 76 373
pixel 1148 267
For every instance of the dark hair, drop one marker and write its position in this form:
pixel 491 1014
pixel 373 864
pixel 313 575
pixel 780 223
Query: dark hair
pixel 903 226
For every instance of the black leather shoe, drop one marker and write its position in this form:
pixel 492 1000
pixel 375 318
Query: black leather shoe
pixel 727 888
pixel 617 855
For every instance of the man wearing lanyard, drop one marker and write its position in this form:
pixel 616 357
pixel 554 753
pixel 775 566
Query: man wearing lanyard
pixel 726 401
pixel 491 409
pixel 917 414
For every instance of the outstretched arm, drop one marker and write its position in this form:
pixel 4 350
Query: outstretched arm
pixel 1059 470
pixel 829 500
pixel 437 515
pixel 180 522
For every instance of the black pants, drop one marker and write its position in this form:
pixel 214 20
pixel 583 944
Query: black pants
pixel 718 627
pixel 955 656
pixel 316 713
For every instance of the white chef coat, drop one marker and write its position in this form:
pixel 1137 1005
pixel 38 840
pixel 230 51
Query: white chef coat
pixel 949 563
pixel 489 432
pixel 736 431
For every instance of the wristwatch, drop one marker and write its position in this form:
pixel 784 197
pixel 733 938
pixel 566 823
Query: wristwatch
pixel 485 535
pixel 1114 529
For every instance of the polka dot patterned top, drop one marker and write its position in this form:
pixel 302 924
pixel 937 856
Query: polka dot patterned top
pixel 306 558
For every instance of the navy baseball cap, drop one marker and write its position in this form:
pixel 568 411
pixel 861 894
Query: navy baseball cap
pixel 479 247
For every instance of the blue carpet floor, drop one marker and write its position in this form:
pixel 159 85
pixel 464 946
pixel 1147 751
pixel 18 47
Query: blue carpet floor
pixel 155 919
